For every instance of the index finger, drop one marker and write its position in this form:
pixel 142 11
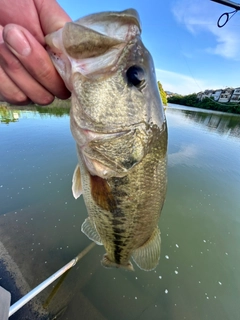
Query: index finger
pixel 52 16
pixel 35 60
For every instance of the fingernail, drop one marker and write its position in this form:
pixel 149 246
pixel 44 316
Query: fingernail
pixel 17 41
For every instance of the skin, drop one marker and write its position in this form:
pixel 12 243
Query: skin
pixel 26 71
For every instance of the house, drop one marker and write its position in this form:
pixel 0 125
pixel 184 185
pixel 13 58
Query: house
pixel 199 95
pixel 235 96
pixel 226 95
pixel 171 94
pixel 207 94
pixel 216 94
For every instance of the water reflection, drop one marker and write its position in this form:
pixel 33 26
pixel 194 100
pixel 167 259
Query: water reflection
pixel 14 113
pixel 222 123
pixel 40 225
pixel 8 115
pixel 57 111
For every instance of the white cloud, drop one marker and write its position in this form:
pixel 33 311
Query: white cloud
pixel 228 45
pixel 202 16
pixel 183 84
pixel 179 83
pixel 185 155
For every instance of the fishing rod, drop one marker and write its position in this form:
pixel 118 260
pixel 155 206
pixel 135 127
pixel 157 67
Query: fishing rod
pixel 225 17
pixel 6 310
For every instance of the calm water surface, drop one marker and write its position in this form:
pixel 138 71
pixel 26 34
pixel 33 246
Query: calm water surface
pixel 198 274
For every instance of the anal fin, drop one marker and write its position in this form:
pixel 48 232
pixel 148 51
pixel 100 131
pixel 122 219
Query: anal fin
pixel 89 229
pixel 148 255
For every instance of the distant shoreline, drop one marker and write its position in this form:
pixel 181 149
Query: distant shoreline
pixel 207 103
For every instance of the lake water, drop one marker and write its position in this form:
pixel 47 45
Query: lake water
pixel 198 275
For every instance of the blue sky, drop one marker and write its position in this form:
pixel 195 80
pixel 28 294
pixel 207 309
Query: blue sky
pixel 190 52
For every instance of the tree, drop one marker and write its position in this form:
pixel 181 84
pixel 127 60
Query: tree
pixel 162 93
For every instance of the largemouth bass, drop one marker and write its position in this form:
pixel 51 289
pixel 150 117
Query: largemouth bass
pixel 118 122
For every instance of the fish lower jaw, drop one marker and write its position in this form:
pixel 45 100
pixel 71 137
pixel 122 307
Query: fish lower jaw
pixel 107 263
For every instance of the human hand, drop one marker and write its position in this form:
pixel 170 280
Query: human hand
pixel 26 71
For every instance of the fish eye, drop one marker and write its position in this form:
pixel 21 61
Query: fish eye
pixel 135 76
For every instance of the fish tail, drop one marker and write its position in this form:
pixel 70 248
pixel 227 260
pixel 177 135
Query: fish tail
pixel 107 263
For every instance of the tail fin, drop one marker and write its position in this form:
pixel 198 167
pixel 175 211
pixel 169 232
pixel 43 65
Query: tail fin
pixel 107 263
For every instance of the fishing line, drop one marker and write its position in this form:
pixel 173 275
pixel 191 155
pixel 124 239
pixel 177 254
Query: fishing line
pixel 186 62
pixel 192 76
pixel 201 90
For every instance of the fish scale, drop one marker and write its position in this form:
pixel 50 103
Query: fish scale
pixel 119 125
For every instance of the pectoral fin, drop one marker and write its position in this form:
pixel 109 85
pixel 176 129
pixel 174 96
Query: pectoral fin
pixel 89 229
pixel 147 256
pixel 76 183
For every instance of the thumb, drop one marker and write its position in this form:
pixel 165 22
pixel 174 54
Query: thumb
pixel 52 17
